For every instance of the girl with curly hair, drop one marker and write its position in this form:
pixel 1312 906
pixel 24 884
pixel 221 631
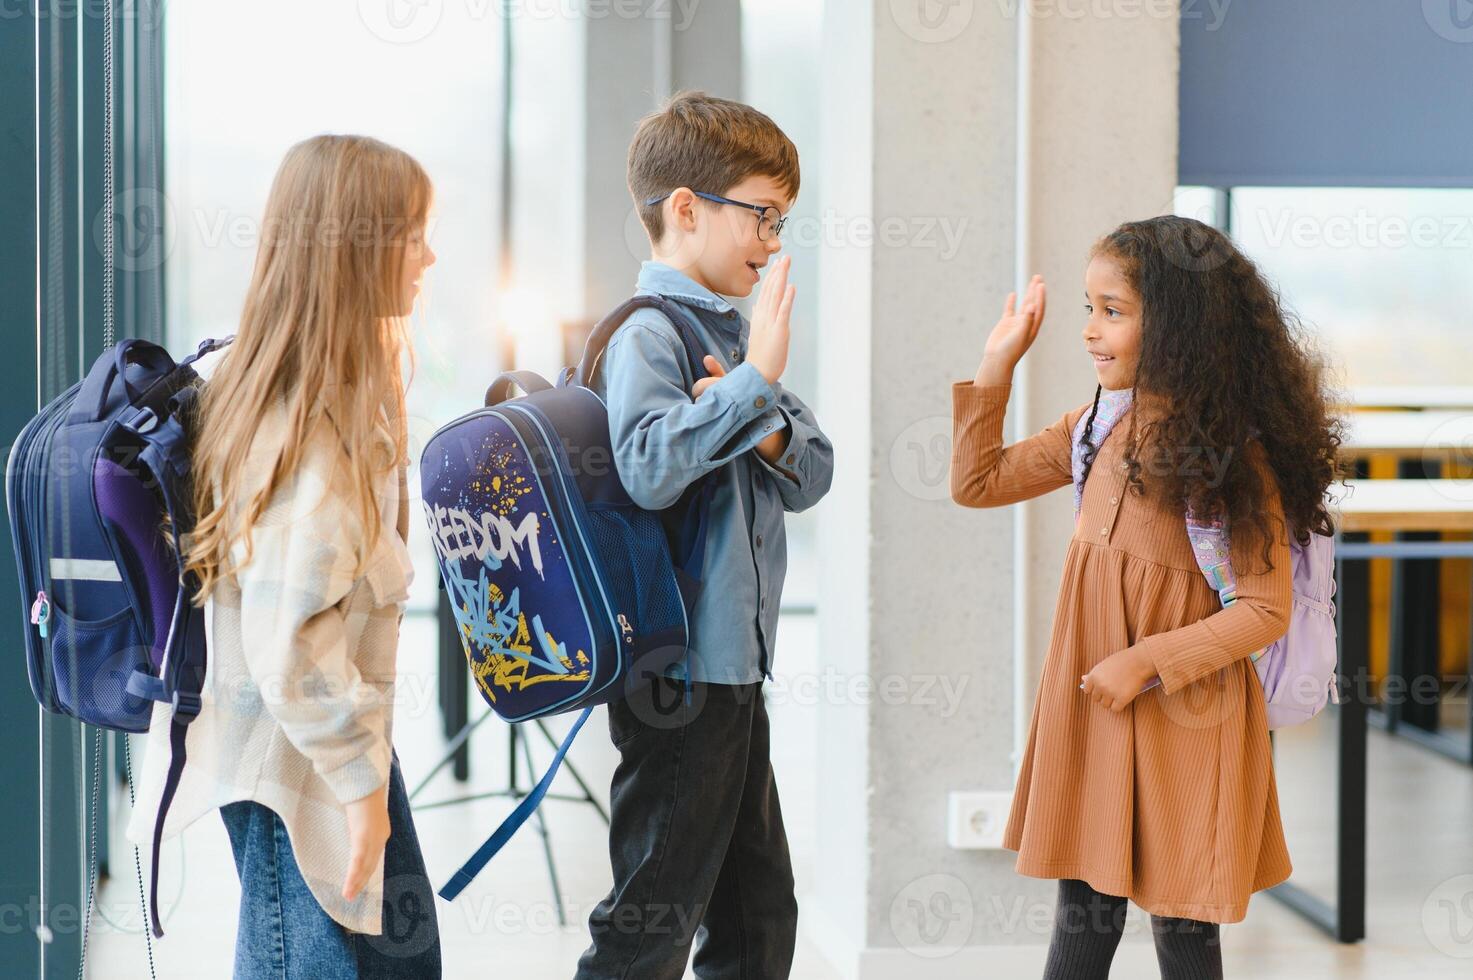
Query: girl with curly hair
pixel 1148 774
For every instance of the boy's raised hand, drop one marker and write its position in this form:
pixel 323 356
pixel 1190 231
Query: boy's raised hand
pixel 1013 334
pixel 767 342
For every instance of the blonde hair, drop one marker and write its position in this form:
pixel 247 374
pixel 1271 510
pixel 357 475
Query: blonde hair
pixel 321 332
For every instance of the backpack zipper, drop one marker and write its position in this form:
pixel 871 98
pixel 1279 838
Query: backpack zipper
pixel 38 433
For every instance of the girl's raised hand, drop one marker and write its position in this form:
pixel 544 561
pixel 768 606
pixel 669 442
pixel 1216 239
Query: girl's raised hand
pixel 1013 334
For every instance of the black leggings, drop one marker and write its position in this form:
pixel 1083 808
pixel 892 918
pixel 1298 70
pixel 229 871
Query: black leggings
pixel 1088 926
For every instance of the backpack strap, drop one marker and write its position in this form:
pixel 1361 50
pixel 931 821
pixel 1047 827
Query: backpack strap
pixel 207 347
pixel 514 820
pixel 1210 547
pixel 182 674
pixel 525 380
pixel 686 520
pixel 604 330
pixel 1108 409
pixel 92 398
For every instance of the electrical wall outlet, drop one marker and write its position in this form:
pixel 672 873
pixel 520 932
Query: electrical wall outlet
pixel 975 820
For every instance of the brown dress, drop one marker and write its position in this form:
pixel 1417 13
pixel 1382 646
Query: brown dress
pixel 1170 802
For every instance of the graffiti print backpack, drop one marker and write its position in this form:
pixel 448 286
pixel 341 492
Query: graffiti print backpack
pixel 566 594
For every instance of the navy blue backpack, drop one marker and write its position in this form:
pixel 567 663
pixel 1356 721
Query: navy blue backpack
pixel 91 484
pixel 565 592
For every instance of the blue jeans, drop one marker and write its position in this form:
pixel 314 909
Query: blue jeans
pixel 284 934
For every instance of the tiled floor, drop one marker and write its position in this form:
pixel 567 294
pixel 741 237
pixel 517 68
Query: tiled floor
pixel 1421 829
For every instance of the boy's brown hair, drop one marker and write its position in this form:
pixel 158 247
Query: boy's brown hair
pixel 707 144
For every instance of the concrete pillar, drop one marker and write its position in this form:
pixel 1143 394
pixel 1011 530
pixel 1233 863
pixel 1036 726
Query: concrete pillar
pixel 919 599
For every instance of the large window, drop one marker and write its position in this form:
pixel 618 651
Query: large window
pixel 1380 274
pixel 246 81
pixel 781 55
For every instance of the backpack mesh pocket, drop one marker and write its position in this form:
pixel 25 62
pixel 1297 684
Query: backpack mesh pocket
pixel 631 550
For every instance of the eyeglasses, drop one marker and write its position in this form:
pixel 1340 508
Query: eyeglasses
pixel 770 220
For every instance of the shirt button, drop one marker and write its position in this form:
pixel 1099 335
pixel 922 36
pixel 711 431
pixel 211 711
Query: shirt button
pixel 759 540
pixel 760 402
pixel 1104 530
pixel 733 353
pixel 1114 500
pixel 790 457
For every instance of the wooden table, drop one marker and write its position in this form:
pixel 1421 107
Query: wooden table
pixel 1437 434
pixel 1404 505
pixel 1410 396
pixel 1373 505
pixel 1418 513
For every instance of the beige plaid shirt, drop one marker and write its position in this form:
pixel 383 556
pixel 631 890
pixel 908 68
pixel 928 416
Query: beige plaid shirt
pixel 298 701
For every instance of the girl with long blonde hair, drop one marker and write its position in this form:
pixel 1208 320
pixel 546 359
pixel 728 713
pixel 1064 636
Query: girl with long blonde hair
pixel 299 548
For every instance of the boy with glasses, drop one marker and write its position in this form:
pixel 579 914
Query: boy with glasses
pixel 697 841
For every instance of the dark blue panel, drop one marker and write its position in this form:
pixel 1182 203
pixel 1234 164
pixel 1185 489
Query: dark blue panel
pixel 1327 93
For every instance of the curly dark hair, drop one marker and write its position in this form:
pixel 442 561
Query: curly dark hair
pixel 1231 366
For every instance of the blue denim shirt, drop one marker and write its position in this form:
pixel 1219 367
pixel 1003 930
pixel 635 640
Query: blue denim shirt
pixel 663 441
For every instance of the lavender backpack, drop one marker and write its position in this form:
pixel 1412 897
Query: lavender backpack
pixel 1298 669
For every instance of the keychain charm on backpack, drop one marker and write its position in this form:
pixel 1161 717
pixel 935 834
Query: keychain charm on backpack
pixel 41 613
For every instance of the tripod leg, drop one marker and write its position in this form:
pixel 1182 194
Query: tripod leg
pixel 513 738
pixel 451 750
pixel 557 891
pixel 569 768
pixel 454 682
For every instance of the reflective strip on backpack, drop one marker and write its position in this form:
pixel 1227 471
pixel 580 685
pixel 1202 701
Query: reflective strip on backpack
pixel 85 570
